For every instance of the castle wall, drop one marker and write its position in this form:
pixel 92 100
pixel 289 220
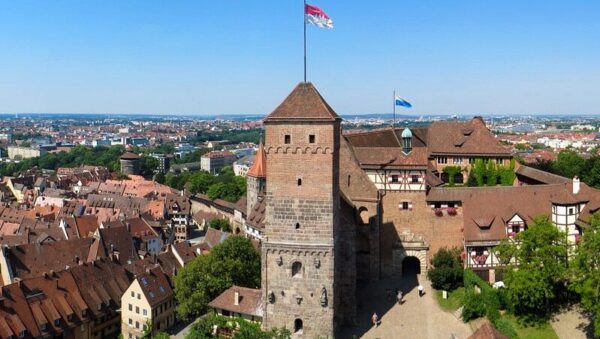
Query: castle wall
pixel 420 220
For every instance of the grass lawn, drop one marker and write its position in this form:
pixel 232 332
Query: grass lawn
pixel 454 299
pixel 543 331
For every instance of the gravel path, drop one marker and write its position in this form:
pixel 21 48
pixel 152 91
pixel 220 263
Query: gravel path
pixel 571 323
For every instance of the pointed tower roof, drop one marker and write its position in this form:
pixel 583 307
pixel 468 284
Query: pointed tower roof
pixel 259 167
pixel 304 103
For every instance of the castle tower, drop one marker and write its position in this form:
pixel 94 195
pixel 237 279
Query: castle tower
pixel 299 271
pixel 256 179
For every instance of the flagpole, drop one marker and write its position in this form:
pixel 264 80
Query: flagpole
pixel 304 22
pixel 394 103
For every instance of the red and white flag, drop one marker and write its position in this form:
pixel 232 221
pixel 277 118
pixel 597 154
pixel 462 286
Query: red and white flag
pixel 314 15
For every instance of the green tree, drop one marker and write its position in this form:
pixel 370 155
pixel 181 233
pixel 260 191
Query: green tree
pixel 491 175
pixel 220 224
pixel 452 171
pixel 447 271
pixel 234 262
pixel 568 164
pixel 479 172
pixel 148 165
pixel 243 329
pixel 538 272
pixel 507 173
pixel 586 275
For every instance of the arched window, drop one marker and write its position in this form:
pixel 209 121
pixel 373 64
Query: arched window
pixel 298 326
pixel 299 182
pixel 297 269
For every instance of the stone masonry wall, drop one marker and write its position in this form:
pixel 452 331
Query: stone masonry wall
pixel 438 232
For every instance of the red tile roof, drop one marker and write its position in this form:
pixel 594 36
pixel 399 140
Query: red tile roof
pixel 303 103
pixel 259 167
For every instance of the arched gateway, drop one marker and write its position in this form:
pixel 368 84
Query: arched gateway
pixel 410 255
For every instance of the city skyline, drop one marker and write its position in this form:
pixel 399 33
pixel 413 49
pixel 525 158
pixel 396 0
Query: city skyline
pixel 235 57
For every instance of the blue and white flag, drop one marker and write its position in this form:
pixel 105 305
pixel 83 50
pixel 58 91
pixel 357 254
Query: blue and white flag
pixel 402 102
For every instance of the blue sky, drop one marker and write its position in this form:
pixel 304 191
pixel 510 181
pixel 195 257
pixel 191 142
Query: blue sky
pixel 240 56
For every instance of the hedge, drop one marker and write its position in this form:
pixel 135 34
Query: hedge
pixel 491 303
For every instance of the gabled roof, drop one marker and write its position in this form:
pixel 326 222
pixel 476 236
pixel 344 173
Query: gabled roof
pixel 304 103
pixel 463 137
pixel 259 167
pixel 249 301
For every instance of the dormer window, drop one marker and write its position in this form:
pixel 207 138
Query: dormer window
pixel 287 139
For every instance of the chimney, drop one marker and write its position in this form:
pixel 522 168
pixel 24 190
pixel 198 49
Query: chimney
pixel 576 185
pixel 236 298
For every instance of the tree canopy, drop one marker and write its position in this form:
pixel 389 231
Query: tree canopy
pixel 226 185
pixel 234 262
pixel 538 271
pixel 586 275
pixel 241 328
pixel 447 271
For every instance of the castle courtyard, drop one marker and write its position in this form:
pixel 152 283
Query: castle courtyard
pixel 417 317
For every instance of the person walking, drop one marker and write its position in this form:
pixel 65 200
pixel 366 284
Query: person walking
pixel 375 319
pixel 421 290
pixel 399 297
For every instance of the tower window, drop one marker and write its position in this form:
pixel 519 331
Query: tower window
pixel 287 139
pixel 297 226
pixel 311 139
pixel 299 182
pixel 297 269
pixel 349 177
pixel 405 205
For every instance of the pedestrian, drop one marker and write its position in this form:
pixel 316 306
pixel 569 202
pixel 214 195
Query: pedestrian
pixel 375 319
pixel 399 297
pixel 421 290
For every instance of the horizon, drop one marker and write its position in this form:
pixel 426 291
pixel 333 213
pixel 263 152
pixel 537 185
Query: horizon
pixel 191 58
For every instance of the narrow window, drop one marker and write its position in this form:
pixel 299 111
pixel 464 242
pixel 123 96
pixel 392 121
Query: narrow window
pixel 299 182
pixel 297 225
pixel 287 139
pixel 349 177
pixel 311 139
pixel 298 326
pixel 405 205
pixel 297 269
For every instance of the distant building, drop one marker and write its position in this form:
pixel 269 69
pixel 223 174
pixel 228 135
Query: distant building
pixel 164 162
pixel 183 149
pixel 213 162
pixel 242 165
pixel 149 301
pixel 5 137
pixel 187 167
pixel 130 163
pixel 101 142
pixel 19 152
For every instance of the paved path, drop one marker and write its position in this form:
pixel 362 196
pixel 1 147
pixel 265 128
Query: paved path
pixel 415 318
pixel 571 323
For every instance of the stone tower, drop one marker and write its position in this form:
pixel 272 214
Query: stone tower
pixel 256 179
pixel 299 265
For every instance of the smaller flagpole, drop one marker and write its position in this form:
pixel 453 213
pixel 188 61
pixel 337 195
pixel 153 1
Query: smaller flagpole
pixel 394 110
pixel 304 22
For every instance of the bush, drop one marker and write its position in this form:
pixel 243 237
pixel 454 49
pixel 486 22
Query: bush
pixel 447 271
pixel 220 224
pixel 473 305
